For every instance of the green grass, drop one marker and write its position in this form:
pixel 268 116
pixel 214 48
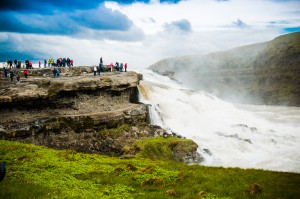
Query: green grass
pixel 160 148
pixel 39 172
pixel 114 132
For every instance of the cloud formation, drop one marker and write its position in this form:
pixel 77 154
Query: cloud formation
pixel 64 23
pixel 65 17
pixel 239 23
pixel 139 32
pixel 182 26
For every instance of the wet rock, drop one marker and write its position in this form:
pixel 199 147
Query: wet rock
pixel 207 151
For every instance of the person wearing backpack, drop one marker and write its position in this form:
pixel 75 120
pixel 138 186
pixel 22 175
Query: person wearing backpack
pixel 121 67
pixel 30 64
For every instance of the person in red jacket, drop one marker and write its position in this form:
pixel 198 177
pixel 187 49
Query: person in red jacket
pixel 125 66
pixel 30 64
pixel 111 67
pixel 25 73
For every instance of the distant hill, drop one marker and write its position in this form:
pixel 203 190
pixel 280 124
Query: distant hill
pixel 263 73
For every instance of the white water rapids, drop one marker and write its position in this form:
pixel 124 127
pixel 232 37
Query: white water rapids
pixel 228 135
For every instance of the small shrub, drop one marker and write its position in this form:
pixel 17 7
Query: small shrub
pixel 23 158
pixel 153 183
pixel 171 192
pixel 118 170
pixel 69 155
pixel 131 167
pixel 146 169
pixel 254 189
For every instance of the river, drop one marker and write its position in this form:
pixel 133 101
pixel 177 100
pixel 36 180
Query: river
pixel 228 135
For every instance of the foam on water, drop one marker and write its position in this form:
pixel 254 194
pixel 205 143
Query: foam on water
pixel 228 135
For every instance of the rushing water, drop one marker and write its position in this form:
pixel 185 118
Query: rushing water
pixel 229 135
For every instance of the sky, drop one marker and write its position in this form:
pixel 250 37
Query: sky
pixel 138 32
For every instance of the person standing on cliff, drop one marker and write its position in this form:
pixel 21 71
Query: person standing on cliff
pixel 18 77
pixel 11 75
pixel 99 69
pixel 25 72
pixel 5 72
pixel 54 71
pixel 101 61
pixel 95 70
pixel 125 66
pixel 121 67
pixel 111 67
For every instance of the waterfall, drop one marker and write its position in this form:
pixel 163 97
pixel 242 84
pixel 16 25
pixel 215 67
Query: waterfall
pixel 228 135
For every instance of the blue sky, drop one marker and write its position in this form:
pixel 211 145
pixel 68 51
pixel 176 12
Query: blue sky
pixel 138 32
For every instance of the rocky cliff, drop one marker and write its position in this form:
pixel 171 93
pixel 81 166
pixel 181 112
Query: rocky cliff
pixel 265 73
pixel 78 111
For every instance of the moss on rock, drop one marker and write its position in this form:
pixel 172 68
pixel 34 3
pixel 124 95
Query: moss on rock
pixel 160 148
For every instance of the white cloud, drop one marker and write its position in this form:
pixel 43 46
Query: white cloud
pixel 216 25
pixel 148 40
pixel 208 14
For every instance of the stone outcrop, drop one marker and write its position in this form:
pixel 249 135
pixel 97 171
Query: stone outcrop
pixel 78 111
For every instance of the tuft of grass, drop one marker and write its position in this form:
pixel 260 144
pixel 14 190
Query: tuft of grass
pixel 160 148
pixel 106 79
pixel 40 172
pixel 115 132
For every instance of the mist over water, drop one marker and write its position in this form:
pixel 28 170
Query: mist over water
pixel 229 135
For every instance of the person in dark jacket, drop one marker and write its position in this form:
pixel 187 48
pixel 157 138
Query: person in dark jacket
pixel 18 77
pixel 54 71
pixel 26 63
pixel 5 72
pixel 2 172
pixel 15 63
pixel 11 75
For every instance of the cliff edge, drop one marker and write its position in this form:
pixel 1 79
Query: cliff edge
pixel 78 111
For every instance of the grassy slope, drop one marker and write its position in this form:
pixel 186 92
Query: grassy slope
pixel 264 73
pixel 278 71
pixel 39 172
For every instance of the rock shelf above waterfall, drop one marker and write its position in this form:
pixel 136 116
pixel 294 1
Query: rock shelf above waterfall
pixel 78 111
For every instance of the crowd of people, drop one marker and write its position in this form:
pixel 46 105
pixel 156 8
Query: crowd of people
pixel 18 64
pixel 60 62
pixel 10 74
pixel 111 67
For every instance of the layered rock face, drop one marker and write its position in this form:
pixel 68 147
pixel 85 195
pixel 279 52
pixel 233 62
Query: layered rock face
pixel 78 111
pixel 59 111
